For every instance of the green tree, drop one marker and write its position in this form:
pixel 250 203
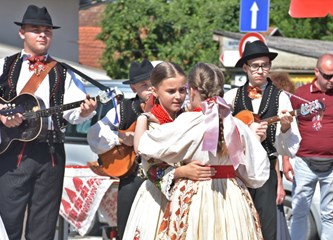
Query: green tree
pixel 307 28
pixel 179 31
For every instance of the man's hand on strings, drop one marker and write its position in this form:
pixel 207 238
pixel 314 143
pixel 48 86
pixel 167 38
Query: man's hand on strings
pixel 12 121
pixel 285 120
pixel 88 106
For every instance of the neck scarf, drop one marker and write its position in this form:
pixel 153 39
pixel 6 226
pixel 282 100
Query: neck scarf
pixel 161 114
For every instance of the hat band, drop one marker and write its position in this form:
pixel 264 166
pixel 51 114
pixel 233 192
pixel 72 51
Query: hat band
pixel 144 76
pixel 37 22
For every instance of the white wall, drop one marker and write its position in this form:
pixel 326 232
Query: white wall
pixel 64 13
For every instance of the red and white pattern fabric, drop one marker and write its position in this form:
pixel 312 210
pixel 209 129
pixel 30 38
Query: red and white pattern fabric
pixel 108 205
pixel 83 194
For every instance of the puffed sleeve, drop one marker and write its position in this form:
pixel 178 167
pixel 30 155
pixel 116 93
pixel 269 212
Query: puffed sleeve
pixel 173 142
pixel 181 141
pixel 255 172
pixel 74 91
pixel 103 135
pixel 230 96
pixel 287 143
pixel 161 175
pixel 161 154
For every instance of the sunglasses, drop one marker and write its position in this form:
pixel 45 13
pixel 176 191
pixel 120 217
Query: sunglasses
pixel 326 76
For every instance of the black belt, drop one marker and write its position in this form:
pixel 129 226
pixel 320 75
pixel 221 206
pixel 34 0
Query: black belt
pixel 272 161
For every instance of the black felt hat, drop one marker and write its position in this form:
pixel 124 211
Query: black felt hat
pixel 254 50
pixel 36 16
pixel 139 72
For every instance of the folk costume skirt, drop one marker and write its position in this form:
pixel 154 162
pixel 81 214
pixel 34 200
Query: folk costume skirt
pixel 217 209
pixel 146 213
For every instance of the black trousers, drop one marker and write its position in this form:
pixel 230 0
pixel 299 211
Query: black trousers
pixel 264 199
pixel 127 190
pixel 35 186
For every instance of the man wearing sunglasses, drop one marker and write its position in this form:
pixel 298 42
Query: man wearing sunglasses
pixel 314 159
pixel 261 97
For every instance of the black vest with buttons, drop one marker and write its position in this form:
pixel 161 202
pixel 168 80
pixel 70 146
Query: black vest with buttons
pixel 268 107
pixel 57 75
pixel 130 109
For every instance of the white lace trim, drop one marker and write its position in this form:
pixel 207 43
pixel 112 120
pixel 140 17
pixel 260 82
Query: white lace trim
pixel 170 179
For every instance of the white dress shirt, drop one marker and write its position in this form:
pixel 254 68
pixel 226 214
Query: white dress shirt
pixel 74 91
pixel 285 143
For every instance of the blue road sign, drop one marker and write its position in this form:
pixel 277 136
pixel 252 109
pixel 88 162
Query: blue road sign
pixel 254 16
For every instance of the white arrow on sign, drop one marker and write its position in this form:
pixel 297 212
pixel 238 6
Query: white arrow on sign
pixel 254 12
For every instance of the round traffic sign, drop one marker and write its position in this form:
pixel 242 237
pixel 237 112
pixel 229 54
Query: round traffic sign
pixel 249 37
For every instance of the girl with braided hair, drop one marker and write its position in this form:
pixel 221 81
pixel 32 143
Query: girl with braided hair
pixel 220 206
pixel 169 91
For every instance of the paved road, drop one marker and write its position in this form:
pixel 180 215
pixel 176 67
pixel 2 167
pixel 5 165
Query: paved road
pixel 86 238
pixel 62 228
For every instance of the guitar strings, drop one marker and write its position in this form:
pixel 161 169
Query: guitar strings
pixel 295 96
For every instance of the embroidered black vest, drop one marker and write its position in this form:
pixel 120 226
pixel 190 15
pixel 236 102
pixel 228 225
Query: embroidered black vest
pixel 130 109
pixel 57 75
pixel 268 107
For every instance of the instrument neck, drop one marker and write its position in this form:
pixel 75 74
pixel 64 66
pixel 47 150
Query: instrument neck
pixel 275 119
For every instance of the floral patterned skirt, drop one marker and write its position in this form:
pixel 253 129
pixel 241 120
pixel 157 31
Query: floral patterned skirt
pixel 218 209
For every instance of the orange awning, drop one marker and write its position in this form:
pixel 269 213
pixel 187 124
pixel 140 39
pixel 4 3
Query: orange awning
pixel 310 8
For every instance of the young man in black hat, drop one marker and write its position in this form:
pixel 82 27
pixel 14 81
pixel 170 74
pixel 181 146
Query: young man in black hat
pixel 261 97
pixel 105 135
pixel 32 168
